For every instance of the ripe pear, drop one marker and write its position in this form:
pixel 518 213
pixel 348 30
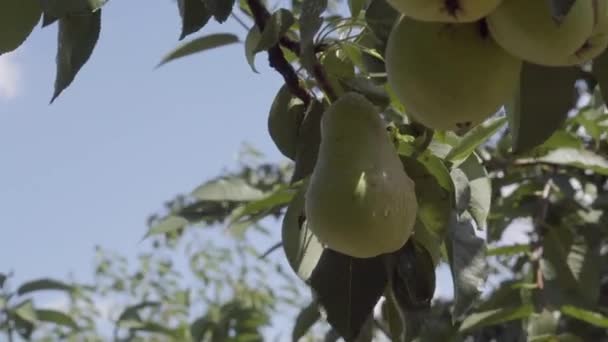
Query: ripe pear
pixel 527 30
pixel 359 201
pixel 449 76
pixel 447 11
pixel 17 20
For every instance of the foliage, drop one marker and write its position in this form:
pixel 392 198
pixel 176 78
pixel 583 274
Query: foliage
pixel 540 164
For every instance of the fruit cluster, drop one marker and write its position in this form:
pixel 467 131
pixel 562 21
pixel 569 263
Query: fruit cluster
pixel 453 63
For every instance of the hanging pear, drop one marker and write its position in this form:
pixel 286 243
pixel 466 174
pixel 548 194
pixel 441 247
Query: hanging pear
pixel 359 201
pixel 446 11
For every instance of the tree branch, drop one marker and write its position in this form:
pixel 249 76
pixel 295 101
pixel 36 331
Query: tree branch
pixel 276 58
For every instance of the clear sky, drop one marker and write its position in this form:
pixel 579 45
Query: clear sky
pixel 124 138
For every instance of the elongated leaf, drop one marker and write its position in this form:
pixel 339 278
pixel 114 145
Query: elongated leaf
pixel 302 248
pixel 251 42
pixel 61 8
pixel 78 35
pixel 17 21
pixel 466 252
pixel 582 159
pixel 43 284
pixel 434 202
pixel 194 14
pixel 479 320
pixel 590 317
pixel 310 22
pixel 413 281
pixel 347 289
pixel 600 72
pixel 198 45
pixel 132 311
pixel 3 278
pixel 56 317
pixel 284 120
pixel 380 16
pixel 475 137
pixel 227 189
pixel 168 224
pixel 545 97
pixel 278 24
pixel 309 139
pixel 276 198
pixel 508 250
pixel 220 9
pixel 480 189
pixel 200 327
pixel 25 310
pixel 355 7
pixel 305 320
pixel 541 324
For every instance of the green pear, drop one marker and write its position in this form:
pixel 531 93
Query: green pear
pixel 359 201
pixel 447 11
pixel 17 20
pixel 527 29
pixel 449 76
pixel 598 41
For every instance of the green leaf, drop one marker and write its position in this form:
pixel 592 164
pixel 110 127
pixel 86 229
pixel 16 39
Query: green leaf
pixel 43 284
pixel 413 280
pixel 194 14
pixel 307 317
pixel 198 45
pixel 78 35
pixel 200 327
pixel 546 95
pixel 578 158
pixel 57 9
pixel 227 189
pixel 25 310
pixel 570 267
pixel 380 16
pixel 392 315
pixel 309 139
pixel 434 201
pixel 149 327
pixel 278 24
pixel 541 324
pixel 56 317
pixel 310 22
pixel 348 289
pixel 480 189
pixel 590 317
pixel 132 312
pixel 355 7
pixel 17 21
pixel 3 278
pixel 600 72
pixel 508 250
pixel 168 224
pixel 251 42
pixel 280 196
pixel 284 120
pixel 302 248
pixel 467 258
pixel 479 320
pixel 475 137
pixel 220 9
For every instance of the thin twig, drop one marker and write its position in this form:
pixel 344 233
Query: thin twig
pixel 271 249
pixel 240 21
pixel 276 58
pixel 540 228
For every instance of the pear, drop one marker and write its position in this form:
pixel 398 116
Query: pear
pixel 359 200
pixel 447 11
pixel 598 41
pixel 528 30
pixel 17 20
pixel 449 76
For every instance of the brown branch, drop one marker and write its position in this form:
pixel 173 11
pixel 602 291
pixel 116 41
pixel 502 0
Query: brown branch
pixel 276 58
pixel 323 82
pixel 540 228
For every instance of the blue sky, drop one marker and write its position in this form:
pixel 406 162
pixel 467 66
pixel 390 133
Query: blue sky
pixel 125 137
